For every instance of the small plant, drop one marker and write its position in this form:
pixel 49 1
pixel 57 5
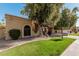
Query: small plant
pixel 14 33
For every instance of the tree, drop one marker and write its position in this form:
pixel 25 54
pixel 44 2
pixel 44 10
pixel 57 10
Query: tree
pixel 74 17
pixel 63 20
pixel 43 13
pixel 68 19
pixel 38 12
pixel 54 15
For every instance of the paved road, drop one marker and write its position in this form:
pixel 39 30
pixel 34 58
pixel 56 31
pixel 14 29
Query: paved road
pixel 73 49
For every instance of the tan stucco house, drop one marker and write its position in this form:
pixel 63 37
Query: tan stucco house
pixel 23 24
pixel 27 27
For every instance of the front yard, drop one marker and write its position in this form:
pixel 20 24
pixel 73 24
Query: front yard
pixel 52 47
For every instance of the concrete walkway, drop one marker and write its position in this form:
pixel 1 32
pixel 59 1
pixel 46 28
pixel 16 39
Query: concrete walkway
pixel 7 44
pixel 73 49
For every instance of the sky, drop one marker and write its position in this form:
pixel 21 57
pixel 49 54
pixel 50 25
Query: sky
pixel 10 8
pixel 15 8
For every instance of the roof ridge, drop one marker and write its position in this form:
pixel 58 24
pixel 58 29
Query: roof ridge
pixel 14 16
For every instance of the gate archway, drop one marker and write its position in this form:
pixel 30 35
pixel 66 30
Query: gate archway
pixel 27 30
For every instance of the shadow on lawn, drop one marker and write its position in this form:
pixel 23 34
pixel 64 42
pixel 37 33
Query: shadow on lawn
pixel 56 39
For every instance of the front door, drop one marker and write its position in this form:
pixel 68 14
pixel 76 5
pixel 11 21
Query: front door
pixel 27 31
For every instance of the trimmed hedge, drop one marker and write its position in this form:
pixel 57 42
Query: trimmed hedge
pixel 14 34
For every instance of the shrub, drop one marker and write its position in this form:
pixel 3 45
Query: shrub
pixel 14 33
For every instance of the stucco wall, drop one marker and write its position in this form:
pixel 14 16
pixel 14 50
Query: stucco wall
pixel 14 22
pixel 2 33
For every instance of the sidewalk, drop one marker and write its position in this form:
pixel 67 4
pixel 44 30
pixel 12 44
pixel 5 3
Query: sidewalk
pixel 73 49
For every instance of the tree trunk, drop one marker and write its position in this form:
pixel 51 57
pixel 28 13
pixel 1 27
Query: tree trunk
pixel 53 28
pixel 61 32
pixel 41 31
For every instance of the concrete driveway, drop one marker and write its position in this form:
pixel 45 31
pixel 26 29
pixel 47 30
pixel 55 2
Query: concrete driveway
pixel 6 44
pixel 73 49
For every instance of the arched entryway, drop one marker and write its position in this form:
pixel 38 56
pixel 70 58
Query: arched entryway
pixel 27 30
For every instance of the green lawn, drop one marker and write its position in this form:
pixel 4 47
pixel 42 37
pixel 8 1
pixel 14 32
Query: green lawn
pixel 75 34
pixel 52 47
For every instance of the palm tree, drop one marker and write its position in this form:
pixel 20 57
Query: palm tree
pixel 74 16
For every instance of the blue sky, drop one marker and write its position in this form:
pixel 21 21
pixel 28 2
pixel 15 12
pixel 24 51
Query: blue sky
pixel 14 9
pixel 10 8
